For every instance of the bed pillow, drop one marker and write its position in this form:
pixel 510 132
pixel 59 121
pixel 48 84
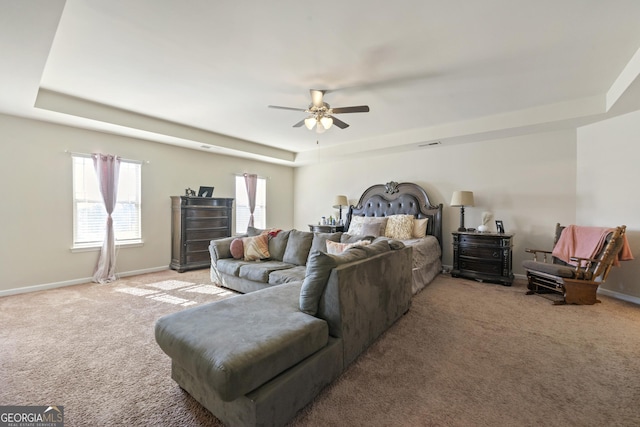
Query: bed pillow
pixel 420 227
pixel 358 222
pixel 237 249
pixel 374 229
pixel 399 227
pixel 355 226
pixel 335 248
pixel 256 247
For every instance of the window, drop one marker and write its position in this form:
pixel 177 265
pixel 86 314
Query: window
pixel 242 205
pixel 89 213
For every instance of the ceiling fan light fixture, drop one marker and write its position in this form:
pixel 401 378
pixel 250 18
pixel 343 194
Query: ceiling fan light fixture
pixel 310 122
pixel 319 127
pixel 327 122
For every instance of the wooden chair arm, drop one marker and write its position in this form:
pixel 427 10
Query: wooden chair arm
pixel 535 253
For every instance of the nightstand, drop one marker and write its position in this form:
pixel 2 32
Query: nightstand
pixel 483 256
pixel 325 228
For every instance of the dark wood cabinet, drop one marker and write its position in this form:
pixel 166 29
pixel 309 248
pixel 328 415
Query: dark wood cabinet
pixel 483 256
pixel 325 228
pixel 195 221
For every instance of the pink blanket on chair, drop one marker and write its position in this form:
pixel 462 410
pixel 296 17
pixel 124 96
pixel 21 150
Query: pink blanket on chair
pixel 586 242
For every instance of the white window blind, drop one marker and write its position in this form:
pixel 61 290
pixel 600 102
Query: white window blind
pixel 242 205
pixel 89 213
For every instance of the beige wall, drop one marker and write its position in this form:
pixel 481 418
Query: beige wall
pixel 529 182
pixel 608 155
pixel 36 214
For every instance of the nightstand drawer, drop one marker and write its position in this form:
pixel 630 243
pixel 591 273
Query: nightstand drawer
pixel 480 252
pixel 480 266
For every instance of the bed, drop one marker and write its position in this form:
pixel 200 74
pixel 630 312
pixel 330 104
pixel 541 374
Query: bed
pixel 384 200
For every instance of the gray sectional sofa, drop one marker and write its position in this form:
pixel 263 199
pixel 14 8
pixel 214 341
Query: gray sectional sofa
pixel 288 250
pixel 258 358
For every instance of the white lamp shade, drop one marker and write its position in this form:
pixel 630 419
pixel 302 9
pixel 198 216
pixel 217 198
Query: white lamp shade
pixel 310 122
pixel 326 122
pixel 340 202
pixel 319 127
pixel 462 198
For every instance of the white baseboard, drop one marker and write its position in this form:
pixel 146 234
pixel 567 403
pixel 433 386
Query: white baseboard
pixel 80 281
pixel 613 294
pixel 620 296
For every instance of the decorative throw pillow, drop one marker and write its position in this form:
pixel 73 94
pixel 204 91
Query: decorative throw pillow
pixel 256 247
pixel 399 227
pixel 420 227
pixel 335 248
pixel 237 249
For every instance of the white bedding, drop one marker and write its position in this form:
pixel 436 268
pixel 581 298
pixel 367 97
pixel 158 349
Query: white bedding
pixel 427 262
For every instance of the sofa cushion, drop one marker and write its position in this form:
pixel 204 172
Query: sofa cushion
pixel 377 247
pixel 278 244
pixel 259 271
pixel 221 248
pixel 256 247
pixel 335 248
pixel 318 269
pixel 298 247
pixel 293 274
pixel 352 238
pixel 237 249
pixel 252 231
pixel 231 266
pixel 553 269
pixel 319 242
pixel 268 331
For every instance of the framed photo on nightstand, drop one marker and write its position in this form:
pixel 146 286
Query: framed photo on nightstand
pixel 499 226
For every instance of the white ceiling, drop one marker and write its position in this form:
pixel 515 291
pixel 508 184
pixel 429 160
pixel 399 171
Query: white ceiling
pixel 202 72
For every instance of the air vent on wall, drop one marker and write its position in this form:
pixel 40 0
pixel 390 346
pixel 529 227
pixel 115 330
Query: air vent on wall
pixel 429 144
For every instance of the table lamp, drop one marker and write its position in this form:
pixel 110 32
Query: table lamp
pixel 462 199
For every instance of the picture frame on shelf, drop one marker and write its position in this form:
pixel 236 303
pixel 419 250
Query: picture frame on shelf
pixel 205 192
pixel 499 226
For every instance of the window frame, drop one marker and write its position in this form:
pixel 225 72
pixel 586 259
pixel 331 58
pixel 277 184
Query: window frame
pixel 260 214
pixel 92 245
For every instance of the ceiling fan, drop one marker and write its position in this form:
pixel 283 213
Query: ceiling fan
pixel 321 113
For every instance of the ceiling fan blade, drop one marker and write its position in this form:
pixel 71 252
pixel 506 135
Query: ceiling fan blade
pixel 357 109
pixel 300 123
pixel 316 97
pixel 339 123
pixel 287 108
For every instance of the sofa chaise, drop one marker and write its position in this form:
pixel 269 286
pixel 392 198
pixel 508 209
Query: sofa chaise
pixel 258 358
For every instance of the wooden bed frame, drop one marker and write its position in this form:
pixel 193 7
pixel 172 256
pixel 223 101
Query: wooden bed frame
pixel 393 199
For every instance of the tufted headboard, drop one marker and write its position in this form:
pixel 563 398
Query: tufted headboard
pixel 393 199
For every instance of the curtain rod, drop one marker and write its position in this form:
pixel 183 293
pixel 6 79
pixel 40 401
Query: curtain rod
pixel 242 174
pixel 73 153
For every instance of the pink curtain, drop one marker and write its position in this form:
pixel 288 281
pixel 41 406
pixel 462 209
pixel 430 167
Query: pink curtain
pixel 107 169
pixel 251 181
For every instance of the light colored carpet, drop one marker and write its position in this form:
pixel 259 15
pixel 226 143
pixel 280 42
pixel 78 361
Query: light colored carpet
pixel 466 354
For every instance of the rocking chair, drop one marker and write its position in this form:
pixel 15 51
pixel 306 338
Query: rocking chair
pixel 565 283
